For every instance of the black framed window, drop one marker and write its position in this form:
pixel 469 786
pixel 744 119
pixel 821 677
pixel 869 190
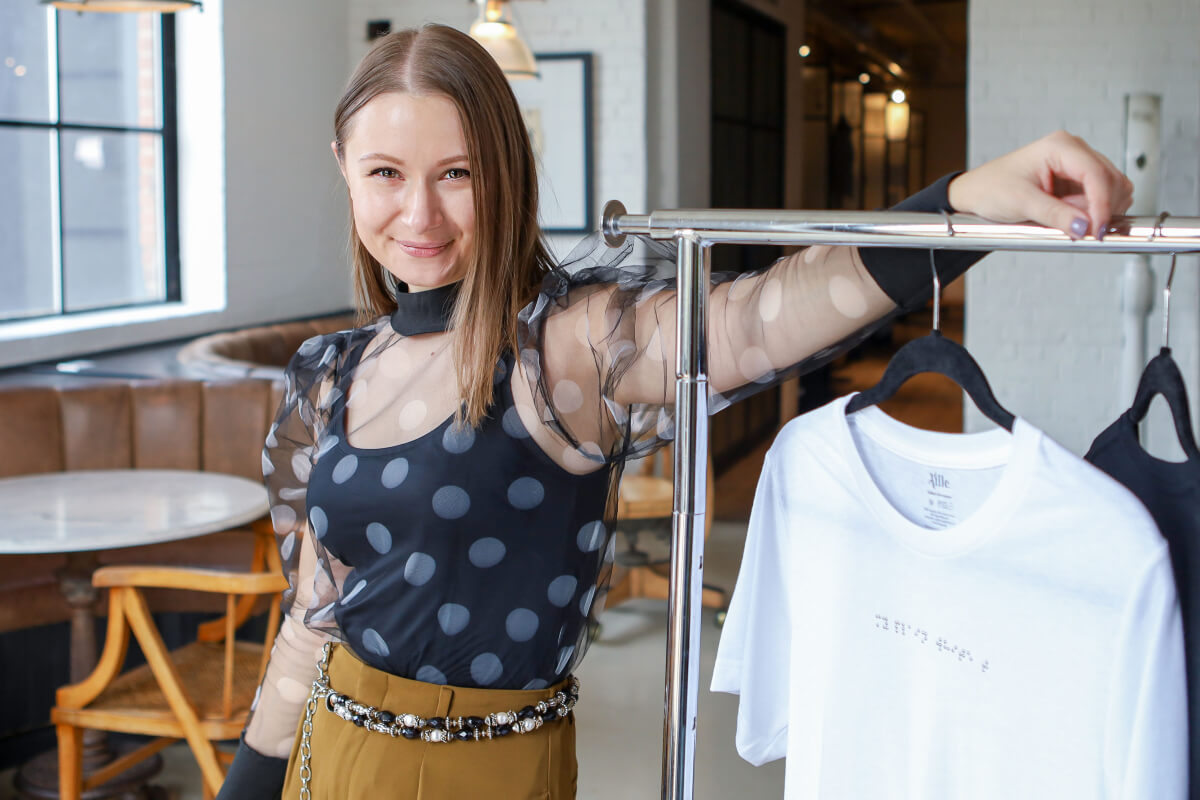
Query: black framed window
pixel 88 178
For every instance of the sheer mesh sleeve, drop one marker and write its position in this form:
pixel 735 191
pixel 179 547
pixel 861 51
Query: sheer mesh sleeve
pixel 598 346
pixel 314 575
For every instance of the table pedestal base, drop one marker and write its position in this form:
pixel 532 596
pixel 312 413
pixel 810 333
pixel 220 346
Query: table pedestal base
pixel 38 778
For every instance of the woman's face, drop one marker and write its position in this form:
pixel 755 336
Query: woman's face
pixel 410 187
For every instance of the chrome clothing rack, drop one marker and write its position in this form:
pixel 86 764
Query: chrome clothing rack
pixel 695 231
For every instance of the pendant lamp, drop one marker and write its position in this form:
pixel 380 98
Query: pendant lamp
pixel 495 31
pixel 124 6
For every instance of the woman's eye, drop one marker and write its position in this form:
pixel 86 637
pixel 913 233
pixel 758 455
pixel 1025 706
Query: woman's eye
pixel 385 172
pixel 457 173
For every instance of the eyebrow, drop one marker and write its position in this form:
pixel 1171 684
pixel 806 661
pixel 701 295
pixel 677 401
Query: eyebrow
pixel 386 157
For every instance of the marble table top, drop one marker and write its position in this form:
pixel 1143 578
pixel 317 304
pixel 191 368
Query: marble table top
pixel 62 512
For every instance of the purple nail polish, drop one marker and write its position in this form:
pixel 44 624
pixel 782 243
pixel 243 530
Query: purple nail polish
pixel 1079 227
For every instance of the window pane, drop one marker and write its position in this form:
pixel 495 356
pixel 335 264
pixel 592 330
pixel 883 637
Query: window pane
pixel 109 69
pixel 112 211
pixel 25 62
pixel 26 223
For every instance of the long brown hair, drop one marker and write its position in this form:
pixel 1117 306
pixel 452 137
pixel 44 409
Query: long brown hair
pixel 509 256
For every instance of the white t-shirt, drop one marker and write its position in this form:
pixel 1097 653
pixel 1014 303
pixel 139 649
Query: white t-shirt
pixel 925 615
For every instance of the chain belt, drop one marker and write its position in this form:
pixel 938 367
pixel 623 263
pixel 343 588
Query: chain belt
pixel 412 726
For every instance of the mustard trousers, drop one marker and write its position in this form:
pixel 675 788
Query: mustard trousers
pixel 348 762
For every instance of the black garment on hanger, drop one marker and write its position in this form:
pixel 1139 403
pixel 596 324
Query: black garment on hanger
pixel 1171 493
pixel 935 353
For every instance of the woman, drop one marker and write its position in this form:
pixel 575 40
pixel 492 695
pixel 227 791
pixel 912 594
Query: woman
pixel 443 479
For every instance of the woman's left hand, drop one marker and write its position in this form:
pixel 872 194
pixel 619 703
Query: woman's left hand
pixel 1058 181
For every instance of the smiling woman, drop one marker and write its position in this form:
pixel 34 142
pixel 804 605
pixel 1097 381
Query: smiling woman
pixel 414 214
pixel 443 478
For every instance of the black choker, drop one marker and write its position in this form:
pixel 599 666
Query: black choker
pixel 424 312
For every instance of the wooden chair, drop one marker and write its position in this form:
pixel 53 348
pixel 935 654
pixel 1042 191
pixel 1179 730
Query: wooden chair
pixel 649 494
pixel 200 692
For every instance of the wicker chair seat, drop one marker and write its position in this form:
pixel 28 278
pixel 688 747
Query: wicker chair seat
pixel 136 696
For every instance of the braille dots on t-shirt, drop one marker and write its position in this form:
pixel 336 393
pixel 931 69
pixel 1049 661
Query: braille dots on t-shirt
pixel 486 552
pixel 526 493
pixel 451 502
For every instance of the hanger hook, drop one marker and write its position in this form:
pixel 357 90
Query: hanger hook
pixel 937 283
pixel 1154 234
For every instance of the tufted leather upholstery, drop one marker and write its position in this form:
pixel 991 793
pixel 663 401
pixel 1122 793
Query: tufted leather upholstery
pixel 257 352
pixel 218 426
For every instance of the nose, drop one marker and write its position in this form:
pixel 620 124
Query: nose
pixel 423 209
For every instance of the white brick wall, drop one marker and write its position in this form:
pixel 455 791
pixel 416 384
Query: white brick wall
pixel 1047 328
pixel 614 31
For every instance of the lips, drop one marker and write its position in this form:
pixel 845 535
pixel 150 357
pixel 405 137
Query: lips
pixel 422 249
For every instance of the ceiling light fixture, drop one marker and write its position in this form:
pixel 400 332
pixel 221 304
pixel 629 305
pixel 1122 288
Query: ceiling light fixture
pixel 864 78
pixel 124 6
pixel 496 32
pixel 805 51
pixel 899 96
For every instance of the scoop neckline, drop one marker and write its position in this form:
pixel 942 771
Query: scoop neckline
pixel 1013 452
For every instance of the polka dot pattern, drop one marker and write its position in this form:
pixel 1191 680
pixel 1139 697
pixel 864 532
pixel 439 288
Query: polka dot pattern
pixel 535 684
pixel 394 473
pixel 380 538
pixel 419 569
pixel 358 587
pixel 345 469
pixel 561 590
pixel 486 669
pixel 318 520
pixel 591 536
pixel 526 493
pixel 453 618
pixel 458 439
pixel 374 643
pixel 521 625
pixel 431 674
pixel 511 423
pixel 451 502
pixel 487 552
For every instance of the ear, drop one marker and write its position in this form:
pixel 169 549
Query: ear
pixel 338 158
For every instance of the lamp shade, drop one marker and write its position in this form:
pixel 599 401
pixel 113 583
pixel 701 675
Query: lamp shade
pixel 496 32
pixel 124 6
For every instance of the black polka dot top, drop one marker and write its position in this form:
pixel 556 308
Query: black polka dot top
pixel 481 557
pixel 458 570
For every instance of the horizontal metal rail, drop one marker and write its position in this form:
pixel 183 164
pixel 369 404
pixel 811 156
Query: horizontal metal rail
pixel 695 231
pixel 896 229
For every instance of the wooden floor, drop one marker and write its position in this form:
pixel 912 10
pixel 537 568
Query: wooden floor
pixel 926 401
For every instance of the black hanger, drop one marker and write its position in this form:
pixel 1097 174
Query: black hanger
pixel 935 353
pixel 1162 377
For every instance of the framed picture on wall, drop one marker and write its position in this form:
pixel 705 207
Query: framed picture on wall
pixel 557 107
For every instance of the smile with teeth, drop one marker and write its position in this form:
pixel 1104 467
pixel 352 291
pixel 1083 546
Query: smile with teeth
pixel 423 249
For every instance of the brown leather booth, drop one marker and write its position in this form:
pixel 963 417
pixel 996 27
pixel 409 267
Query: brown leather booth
pixel 217 426
pixel 260 352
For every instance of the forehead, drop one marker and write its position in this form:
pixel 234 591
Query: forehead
pixel 407 126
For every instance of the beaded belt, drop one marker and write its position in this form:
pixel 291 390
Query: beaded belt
pixel 432 729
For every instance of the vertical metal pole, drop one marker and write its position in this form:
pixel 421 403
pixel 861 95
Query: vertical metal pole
pixel 687 540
